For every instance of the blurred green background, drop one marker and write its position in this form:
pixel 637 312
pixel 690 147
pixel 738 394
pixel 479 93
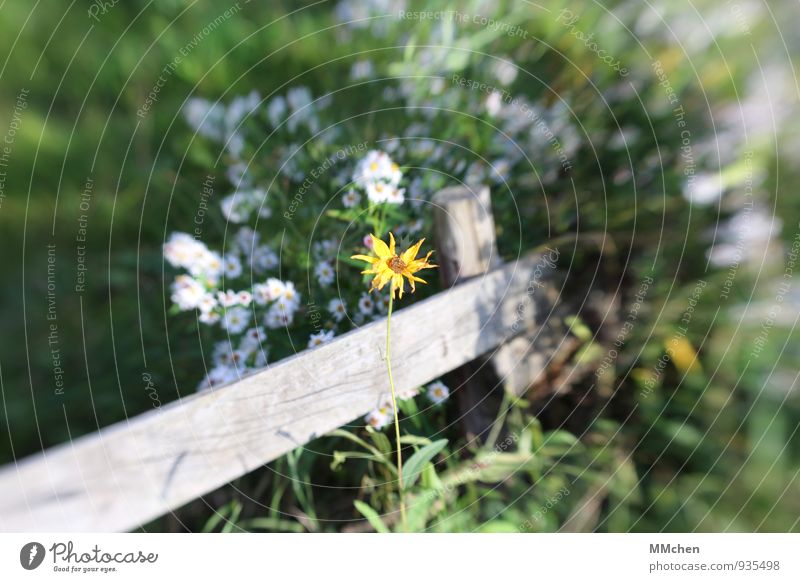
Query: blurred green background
pixel 716 445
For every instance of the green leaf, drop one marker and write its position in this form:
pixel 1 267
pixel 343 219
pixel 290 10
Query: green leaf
pixel 381 442
pixel 372 516
pixel 416 463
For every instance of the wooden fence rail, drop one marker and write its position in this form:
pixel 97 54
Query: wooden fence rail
pixel 133 471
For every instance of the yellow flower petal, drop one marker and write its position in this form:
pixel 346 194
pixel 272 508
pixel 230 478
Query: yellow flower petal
pixel 411 253
pixel 380 248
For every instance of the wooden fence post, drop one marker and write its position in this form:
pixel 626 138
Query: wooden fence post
pixel 467 248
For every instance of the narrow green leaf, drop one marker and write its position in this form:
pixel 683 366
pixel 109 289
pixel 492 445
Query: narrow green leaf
pixel 416 463
pixel 372 516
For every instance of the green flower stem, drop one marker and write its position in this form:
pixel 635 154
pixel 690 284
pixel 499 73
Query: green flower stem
pixel 394 409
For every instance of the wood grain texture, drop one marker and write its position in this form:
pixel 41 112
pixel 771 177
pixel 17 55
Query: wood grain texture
pixel 133 471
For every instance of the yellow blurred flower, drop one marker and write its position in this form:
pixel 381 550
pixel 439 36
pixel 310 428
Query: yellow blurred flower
pixel 388 266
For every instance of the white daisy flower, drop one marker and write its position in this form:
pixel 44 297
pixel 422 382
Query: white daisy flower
pixel 209 266
pixel 261 358
pixel 382 303
pixel 246 239
pixel 337 308
pixel 232 208
pixel 207 303
pixel 277 317
pixel 276 110
pixel 290 294
pixel 361 70
pixel 254 336
pixel 379 418
pixel 494 103
pixel 218 375
pixel 377 192
pixel 221 356
pixel 261 293
pixel 209 317
pixel 182 250
pixel 320 338
pixel 238 360
pixel 275 288
pixel 235 319
pixel 325 273
pixel 227 298
pixel 396 195
pixel 232 266
pixel 438 392
pixel 244 298
pixel 377 166
pixel 366 304
pixel 187 293
pixel 408 393
pixel 351 199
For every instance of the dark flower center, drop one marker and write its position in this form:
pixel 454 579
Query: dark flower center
pixel 396 264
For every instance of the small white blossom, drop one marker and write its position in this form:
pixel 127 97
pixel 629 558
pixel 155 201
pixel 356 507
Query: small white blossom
pixel 275 288
pixel 278 316
pixel 187 293
pixel 337 308
pixel 209 317
pixel 379 418
pixel 438 392
pixel 319 338
pixel 244 298
pixel 261 293
pixel 232 266
pixel 351 199
pixel 219 375
pixel 408 393
pixel 325 273
pixel 227 298
pixel 366 304
pixel 276 110
pixel 235 319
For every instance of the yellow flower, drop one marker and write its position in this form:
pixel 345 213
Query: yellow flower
pixel 388 266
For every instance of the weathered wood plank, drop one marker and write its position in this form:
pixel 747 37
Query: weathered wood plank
pixel 134 471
